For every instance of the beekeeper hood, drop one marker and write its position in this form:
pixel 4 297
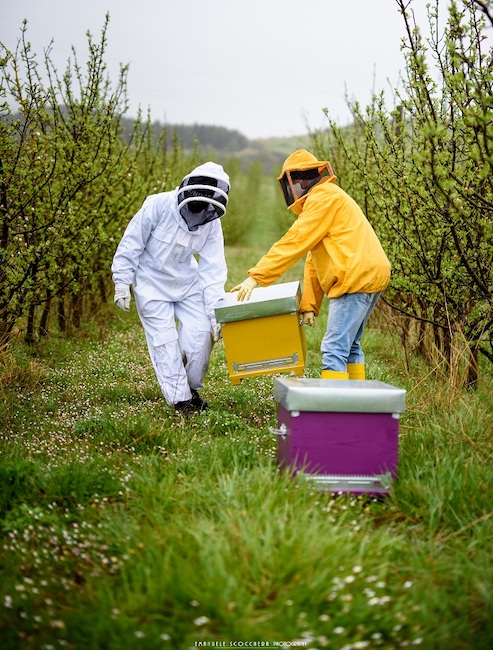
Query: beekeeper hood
pixel 300 172
pixel 203 195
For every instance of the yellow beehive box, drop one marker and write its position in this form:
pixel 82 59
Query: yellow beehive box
pixel 263 335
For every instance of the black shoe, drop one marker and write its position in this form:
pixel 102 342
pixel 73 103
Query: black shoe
pixel 193 405
pixel 185 408
pixel 199 403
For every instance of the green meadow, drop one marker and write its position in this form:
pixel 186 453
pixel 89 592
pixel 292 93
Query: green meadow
pixel 125 526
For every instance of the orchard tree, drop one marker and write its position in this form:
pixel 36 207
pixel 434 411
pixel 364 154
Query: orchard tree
pixel 423 173
pixel 69 182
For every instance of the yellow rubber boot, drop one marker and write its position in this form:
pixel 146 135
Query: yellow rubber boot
pixel 356 370
pixel 334 374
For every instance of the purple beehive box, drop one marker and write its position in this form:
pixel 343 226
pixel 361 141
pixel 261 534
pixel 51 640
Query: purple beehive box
pixel 343 435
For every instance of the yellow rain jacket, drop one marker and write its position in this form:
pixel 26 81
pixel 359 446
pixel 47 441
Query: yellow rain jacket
pixel 343 252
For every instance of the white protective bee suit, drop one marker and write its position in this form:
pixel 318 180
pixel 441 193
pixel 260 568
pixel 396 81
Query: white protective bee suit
pixel 172 253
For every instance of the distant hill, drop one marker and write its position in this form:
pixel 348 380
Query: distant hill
pixel 272 151
pixel 223 143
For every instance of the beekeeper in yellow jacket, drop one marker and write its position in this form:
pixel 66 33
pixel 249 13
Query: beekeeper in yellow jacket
pixel 344 261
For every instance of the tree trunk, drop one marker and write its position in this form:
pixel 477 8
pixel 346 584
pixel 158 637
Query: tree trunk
pixel 30 325
pixel 62 319
pixel 43 323
pixel 76 309
pixel 473 370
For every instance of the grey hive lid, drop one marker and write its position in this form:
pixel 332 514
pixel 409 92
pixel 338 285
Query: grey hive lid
pixel 277 299
pixel 348 396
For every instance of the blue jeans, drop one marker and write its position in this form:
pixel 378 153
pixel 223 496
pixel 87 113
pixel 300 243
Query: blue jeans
pixel 341 343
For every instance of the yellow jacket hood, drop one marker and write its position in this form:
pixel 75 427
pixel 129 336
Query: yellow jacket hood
pixel 302 160
pixel 301 172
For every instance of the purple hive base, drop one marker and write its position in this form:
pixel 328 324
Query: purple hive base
pixel 342 444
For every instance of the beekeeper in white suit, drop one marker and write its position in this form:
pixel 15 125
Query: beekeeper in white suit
pixel 172 253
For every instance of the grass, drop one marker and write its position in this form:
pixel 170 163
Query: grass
pixel 124 526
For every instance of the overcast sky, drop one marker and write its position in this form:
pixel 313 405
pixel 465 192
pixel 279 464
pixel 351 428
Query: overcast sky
pixel 263 67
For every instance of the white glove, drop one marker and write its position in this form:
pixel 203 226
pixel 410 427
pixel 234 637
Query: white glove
pixel 122 296
pixel 216 330
pixel 309 318
pixel 245 288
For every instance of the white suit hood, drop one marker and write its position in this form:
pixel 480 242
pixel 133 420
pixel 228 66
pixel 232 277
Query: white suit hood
pixel 203 195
